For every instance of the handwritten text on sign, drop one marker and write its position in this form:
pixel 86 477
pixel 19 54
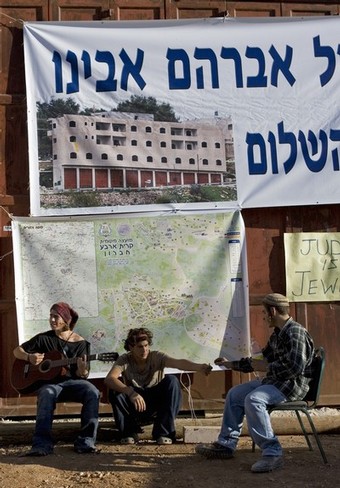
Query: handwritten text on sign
pixel 312 266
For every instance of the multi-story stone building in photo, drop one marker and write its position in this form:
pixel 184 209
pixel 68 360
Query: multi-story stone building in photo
pixel 128 150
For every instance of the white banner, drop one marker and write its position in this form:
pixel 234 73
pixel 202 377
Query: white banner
pixel 133 113
pixel 182 276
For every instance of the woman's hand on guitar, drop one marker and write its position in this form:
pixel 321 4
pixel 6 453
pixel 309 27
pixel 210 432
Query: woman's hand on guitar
pixel 82 370
pixel 36 358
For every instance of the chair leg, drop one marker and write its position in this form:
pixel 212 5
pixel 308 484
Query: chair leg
pixel 314 431
pixel 316 437
pixel 303 429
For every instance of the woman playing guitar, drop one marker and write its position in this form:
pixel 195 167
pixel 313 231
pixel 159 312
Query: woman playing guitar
pixel 65 384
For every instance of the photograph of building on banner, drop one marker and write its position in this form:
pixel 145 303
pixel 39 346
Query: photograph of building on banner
pixel 312 266
pixel 182 276
pixel 131 158
pixel 107 130
pixel 203 112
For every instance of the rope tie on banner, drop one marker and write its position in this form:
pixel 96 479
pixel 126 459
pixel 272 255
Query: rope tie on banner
pixel 10 216
pixel 12 18
pixel 5 255
pixel 226 11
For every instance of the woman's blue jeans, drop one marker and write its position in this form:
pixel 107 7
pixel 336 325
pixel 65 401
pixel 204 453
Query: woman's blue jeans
pixel 251 400
pixel 81 391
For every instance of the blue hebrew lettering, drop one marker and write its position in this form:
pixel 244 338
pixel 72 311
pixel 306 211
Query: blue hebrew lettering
pixel 73 86
pixel 58 75
pixel 320 162
pixel 109 84
pixel 208 54
pixel 232 53
pixel 178 56
pixel 256 167
pixel 132 69
pixel 85 57
pixel 334 135
pixel 282 65
pixel 288 138
pixel 260 80
pixel 273 152
pixel 328 53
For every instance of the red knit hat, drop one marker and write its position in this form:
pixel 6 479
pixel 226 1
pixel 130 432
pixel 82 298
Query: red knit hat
pixel 67 313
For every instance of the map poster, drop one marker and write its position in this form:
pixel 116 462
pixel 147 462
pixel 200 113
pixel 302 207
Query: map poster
pixel 183 276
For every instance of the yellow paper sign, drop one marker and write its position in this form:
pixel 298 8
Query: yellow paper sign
pixel 312 266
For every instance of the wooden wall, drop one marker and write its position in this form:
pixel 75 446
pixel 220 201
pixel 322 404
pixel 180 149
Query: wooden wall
pixel 264 227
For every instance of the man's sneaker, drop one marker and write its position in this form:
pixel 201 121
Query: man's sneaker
pixel 267 463
pixel 161 441
pixel 86 450
pixel 38 452
pixel 214 451
pixel 133 439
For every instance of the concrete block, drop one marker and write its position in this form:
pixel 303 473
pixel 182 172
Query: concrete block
pixel 197 434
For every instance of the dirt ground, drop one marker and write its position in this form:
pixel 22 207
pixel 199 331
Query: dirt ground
pixel 151 466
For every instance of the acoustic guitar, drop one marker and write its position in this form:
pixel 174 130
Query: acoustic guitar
pixel 27 377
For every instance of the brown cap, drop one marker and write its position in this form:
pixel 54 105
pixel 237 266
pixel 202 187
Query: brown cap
pixel 276 300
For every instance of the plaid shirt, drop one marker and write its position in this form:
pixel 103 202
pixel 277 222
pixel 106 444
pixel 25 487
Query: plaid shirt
pixel 289 352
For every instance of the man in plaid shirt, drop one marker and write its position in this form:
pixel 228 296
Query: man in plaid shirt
pixel 287 362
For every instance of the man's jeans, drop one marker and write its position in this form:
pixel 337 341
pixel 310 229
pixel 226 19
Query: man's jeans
pixel 163 402
pixel 81 391
pixel 251 400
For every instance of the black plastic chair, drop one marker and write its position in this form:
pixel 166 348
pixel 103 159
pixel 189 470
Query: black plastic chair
pixel 308 403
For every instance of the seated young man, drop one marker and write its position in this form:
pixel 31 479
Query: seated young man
pixel 141 392
pixel 287 362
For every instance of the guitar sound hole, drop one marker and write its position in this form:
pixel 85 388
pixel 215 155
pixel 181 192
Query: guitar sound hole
pixel 45 366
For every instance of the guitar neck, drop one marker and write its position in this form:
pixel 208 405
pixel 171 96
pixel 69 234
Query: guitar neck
pixel 68 361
